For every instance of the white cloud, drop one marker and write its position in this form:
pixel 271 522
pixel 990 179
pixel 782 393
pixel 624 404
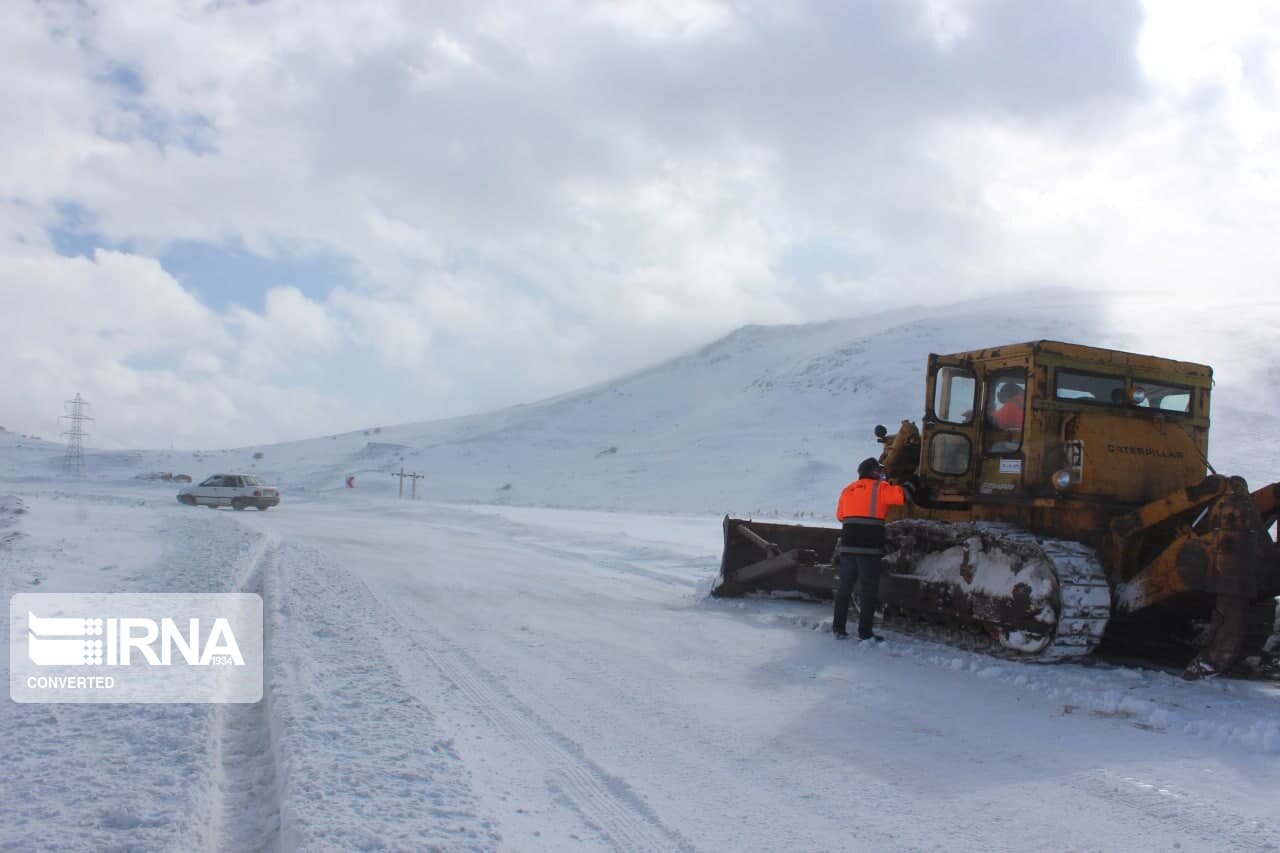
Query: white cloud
pixel 535 196
pixel 150 356
pixel 289 322
pixel 946 22
pixel 399 331
pixel 667 20
pixel 114 305
pixel 200 361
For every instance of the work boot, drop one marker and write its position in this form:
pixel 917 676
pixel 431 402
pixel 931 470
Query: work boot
pixel 841 635
pixel 874 639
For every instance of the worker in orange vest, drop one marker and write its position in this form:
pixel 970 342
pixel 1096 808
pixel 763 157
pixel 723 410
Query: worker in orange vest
pixel 861 509
pixel 1012 401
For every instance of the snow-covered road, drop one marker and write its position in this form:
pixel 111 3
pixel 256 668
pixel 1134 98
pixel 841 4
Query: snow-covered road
pixel 535 679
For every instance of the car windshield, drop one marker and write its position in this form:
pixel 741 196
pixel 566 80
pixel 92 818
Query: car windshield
pixel 251 480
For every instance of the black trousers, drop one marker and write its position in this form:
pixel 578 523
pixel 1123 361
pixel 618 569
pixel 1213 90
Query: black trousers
pixel 864 568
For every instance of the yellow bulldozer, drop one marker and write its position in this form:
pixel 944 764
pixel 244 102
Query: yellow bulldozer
pixel 1063 501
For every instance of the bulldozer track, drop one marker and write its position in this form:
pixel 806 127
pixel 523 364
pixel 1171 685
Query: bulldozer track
pixel 1084 601
pixel 1085 597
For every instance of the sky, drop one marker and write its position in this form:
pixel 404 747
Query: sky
pixel 227 223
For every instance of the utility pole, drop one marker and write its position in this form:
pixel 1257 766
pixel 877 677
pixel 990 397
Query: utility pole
pixel 73 459
pixel 414 477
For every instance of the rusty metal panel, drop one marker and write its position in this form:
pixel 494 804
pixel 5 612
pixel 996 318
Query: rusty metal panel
pixel 1135 461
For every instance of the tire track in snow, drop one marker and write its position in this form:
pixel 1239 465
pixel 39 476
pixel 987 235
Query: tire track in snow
pixel 608 553
pixel 244 812
pixel 606 803
pixel 245 805
pixel 623 566
pixel 1208 822
pixel 361 763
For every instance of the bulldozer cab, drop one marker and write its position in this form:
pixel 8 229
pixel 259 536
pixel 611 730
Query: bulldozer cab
pixel 1045 422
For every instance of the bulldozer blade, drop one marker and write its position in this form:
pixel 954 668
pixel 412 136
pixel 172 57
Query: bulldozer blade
pixel 776 558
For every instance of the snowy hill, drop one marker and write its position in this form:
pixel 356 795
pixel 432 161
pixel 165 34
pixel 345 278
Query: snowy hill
pixel 767 419
pixel 462 676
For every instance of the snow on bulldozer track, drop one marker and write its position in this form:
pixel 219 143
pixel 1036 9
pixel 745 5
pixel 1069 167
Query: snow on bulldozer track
pixel 499 678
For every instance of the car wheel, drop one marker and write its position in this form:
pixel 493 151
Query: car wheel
pixel 263 507
pixel 238 505
pixel 186 500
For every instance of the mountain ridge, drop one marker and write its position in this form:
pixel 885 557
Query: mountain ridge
pixel 766 419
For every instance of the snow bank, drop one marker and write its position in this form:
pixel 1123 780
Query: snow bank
pixel 109 776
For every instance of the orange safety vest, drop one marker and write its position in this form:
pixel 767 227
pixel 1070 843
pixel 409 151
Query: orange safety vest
pixel 1009 415
pixel 869 498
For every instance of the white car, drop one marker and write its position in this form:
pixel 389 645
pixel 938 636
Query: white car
pixel 238 491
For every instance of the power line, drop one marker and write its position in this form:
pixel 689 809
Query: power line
pixel 73 459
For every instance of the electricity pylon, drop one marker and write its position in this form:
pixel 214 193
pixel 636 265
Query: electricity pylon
pixel 73 459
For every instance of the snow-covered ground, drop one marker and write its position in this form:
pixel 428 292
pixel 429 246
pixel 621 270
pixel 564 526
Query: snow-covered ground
pixel 539 679
pixel 538 667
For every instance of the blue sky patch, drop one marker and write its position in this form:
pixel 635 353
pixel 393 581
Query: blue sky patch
pixel 225 275
pixel 221 274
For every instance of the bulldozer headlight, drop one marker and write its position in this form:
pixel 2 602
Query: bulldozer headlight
pixel 1138 395
pixel 1061 480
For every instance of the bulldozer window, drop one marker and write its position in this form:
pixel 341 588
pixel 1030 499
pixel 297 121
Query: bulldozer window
pixel 1162 397
pixel 949 453
pixel 953 395
pixel 1092 388
pixel 1006 405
